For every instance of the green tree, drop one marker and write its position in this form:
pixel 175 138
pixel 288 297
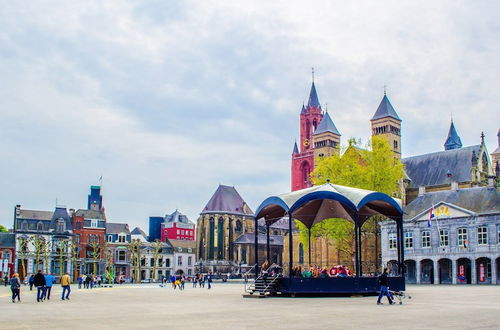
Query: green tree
pixel 3 229
pixel 373 168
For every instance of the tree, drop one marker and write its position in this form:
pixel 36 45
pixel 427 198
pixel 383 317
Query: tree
pixel 157 245
pixel 374 168
pixel 62 248
pixel 108 256
pixel 38 243
pixel 23 253
pixel 47 251
pixel 74 256
pixel 3 229
pixel 135 252
pixel 96 253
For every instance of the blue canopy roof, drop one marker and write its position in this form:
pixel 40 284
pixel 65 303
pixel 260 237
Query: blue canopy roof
pixel 313 205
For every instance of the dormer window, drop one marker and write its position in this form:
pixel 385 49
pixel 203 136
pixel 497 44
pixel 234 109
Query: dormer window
pixel 39 226
pixel 24 225
pixel 122 238
pixel 60 225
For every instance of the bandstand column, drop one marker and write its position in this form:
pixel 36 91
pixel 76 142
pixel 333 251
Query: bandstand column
pixel 256 248
pixel 290 245
pixel 356 238
pixel 309 243
pixel 268 246
pixel 360 249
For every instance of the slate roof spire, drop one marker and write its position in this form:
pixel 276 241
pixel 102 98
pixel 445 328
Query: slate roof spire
pixel 326 125
pixel 313 98
pixel 303 109
pixel 295 148
pixel 385 109
pixel 453 140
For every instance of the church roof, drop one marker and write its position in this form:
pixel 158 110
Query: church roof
pixel 303 109
pixel 481 200
pixel 227 200
pixel 326 125
pixel 453 140
pixel 295 148
pixel 385 109
pixel 262 239
pixel 433 168
pixel 313 98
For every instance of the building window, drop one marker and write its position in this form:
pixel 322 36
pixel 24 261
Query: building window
pixel 498 234
pixel 408 240
pixel 395 145
pixel 78 238
pixel 189 272
pixel 6 255
pixel 462 237
pixel 167 262
pixel 178 231
pixel 60 226
pixel 444 238
pixel 179 261
pixel 110 238
pixel 39 226
pixel 482 235
pixel 239 227
pixel 426 239
pixel 190 261
pixel 393 241
pixel 94 223
pixel 78 225
pixel 122 238
pixel 301 253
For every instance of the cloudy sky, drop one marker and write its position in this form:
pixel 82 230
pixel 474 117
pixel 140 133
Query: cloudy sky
pixel 168 99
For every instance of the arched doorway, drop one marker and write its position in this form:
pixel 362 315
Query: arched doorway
pixel 427 271
pixel 483 270
pixel 411 269
pixel 445 272
pixel 463 271
pixel 392 266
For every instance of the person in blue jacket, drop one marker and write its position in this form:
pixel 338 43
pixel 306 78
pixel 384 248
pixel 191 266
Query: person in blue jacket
pixel 49 281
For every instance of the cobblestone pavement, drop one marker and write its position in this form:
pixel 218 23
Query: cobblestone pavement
pixel 152 307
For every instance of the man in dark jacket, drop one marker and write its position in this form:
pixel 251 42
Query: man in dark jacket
pixel 39 282
pixel 384 290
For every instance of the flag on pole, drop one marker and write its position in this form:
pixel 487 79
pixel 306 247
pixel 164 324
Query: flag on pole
pixel 431 216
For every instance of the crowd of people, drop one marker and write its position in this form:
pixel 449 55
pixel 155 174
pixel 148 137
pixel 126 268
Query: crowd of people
pixel 43 284
pixel 89 281
pixel 178 281
pixel 322 272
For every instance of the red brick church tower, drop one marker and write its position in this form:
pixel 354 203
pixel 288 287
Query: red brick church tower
pixel 311 117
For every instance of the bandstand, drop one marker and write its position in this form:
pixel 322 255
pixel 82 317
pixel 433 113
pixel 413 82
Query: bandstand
pixel 313 205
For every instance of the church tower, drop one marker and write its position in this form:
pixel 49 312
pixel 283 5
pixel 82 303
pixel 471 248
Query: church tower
pixel 386 122
pixel 453 140
pixel 326 138
pixel 303 154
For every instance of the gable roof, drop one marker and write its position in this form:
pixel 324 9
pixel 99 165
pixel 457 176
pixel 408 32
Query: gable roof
pixel 35 215
pixel 481 200
pixel 178 217
pixel 295 148
pixel 138 231
pixel 432 169
pixel 313 98
pixel 90 214
pixel 453 140
pixel 116 228
pixel 326 125
pixel 385 109
pixel 227 200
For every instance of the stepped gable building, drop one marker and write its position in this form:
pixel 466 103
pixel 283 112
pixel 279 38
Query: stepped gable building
pixel 319 137
pixel 118 238
pixel 89 229
pixel 7 254
pixel 53 228
pixel 462 243
pixel 457 165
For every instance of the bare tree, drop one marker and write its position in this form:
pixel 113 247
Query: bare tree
pixel 96 253
pixel 109 263
pixel 74 257
pixel 23 253
pixel 38 244
pixel 157 245
pixel 47 251
pixel 62 248
pixel 135 250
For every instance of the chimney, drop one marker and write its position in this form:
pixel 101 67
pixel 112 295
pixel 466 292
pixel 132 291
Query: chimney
pixel 421 190
pixel 454 185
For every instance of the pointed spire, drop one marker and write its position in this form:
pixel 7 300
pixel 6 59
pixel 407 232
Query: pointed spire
pixel 482 137
pixel 326 125
pixel 453 140
pixel 385 109
pixel 295 148
pixel 303 109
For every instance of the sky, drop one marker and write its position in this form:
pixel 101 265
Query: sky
pixel 168 99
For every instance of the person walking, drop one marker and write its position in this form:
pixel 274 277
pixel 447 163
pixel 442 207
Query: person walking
pixel 194 279
pixel 39 282
pixel 202 281
pixel 66 286
pixel 87 281
pixel 384 290
pixel 6 280
pixel 80 281
pixel 49 280
pixel 15 287
pixel 31 281
pixel 209 280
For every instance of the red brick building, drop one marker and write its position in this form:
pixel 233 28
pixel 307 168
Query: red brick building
pixel 177 226
pixel 7 254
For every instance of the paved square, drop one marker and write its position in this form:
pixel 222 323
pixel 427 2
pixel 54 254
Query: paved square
pixel 152 307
